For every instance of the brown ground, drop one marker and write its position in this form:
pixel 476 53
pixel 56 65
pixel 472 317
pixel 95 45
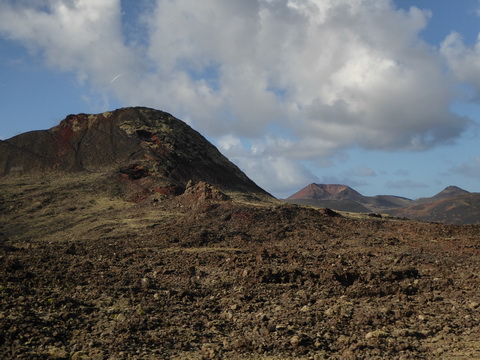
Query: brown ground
pixel 87 275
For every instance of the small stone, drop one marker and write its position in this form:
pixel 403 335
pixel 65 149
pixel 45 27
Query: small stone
pixel 401 333
pixel 262 317
pixel 228 315
pixel 271 328
pixel 320 355
pixel 473 305
pixel 376 334
pixel 305 308
pixel 329 312
pixel 295 341
pixel 209 351
pixel 343 339
pixel 57 353
pixel 79 355
pixel 145 282
pixel 120 318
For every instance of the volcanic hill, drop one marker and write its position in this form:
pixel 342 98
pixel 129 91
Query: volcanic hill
pixel 447 193
pixel 156 152
pixel 452 205
pixel 344 198
pixel 457 209
pixel 126 235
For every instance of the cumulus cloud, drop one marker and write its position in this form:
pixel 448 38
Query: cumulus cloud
pixel 335 73
pixel 463 60
pixel 300 80
pixel 83 36
pixel 278 174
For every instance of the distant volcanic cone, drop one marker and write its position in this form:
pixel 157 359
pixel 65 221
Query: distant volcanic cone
pixel 149 147
pixel 327 192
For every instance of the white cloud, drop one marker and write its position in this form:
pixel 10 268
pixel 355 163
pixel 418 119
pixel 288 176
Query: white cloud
pixel 336 73
pixel 279 175
pixel 332 73
pixel 463 60
pixel 83 36
pixel 229 143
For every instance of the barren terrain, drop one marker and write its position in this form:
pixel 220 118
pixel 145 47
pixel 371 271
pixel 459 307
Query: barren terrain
pixel 86 274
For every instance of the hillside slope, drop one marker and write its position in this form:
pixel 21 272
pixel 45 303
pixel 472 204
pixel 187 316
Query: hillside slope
pixel 448 192
pixel 460 209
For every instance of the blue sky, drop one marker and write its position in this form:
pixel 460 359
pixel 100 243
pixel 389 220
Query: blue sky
pixel 379 95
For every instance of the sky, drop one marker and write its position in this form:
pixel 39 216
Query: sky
pixel 380 95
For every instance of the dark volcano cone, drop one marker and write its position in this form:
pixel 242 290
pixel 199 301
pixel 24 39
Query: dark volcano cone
pixel 137 143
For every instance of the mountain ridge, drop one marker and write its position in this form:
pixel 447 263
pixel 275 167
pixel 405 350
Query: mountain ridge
pixel 451 205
